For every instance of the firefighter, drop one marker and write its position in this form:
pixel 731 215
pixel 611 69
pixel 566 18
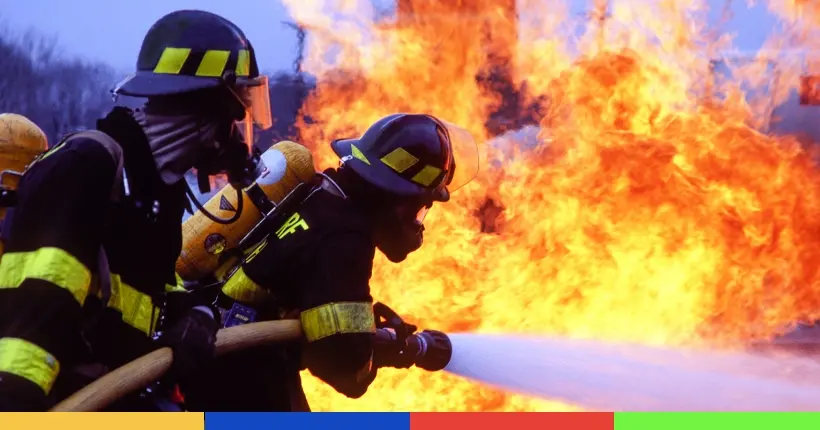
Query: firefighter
pixel 317 264
pixel 89 266
pixel 21 141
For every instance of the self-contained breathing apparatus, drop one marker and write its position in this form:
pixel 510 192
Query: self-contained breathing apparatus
pixel 429 349
pixel 234 313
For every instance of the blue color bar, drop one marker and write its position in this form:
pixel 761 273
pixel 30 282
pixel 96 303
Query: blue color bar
pixel 306 421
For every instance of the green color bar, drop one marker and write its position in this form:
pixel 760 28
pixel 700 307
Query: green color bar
pixel 717 421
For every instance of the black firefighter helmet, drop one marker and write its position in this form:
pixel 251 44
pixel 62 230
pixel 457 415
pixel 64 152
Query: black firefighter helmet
pixel 190 50
pixel 413 155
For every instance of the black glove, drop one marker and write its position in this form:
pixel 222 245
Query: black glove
pixel 192 338
pixel 389 351
pixel 20 395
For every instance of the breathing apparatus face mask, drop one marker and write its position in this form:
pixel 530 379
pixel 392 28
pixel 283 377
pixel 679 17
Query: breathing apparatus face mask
pixel 400 229
pixel 248 110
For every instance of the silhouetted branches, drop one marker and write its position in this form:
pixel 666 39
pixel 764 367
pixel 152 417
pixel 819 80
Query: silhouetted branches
pixel 59 93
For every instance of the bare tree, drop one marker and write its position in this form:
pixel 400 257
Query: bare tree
pixel 60 94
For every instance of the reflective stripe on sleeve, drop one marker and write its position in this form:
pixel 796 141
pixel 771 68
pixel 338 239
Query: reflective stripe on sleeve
pixel 137 308
pixel 52 265
pixel 243 289
pixel 28 361
pixel 338 318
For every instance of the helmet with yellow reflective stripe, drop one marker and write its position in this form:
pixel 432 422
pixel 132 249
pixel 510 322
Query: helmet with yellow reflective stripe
pixel 414 155
pixel 190 50
pixel 21 141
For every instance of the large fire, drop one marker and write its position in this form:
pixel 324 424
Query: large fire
pixel 651 209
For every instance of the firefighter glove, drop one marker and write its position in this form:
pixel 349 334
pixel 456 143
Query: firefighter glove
pixel 20 395
pixel 192 339
pixel 390 352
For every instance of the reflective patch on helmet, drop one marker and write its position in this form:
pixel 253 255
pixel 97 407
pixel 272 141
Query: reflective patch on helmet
pixel 172 60
pixel 243 63
pixel 427 175
pixel 213 63
pixel 400 160
pixel 357 154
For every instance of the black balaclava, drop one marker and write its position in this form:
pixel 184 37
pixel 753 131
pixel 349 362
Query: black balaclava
pixel 395 234
pixel 193 130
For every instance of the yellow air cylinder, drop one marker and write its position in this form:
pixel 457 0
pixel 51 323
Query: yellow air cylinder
pixel 286 165
pixel 21 141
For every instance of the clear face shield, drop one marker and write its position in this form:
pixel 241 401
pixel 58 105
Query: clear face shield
pixel 255 98
pixel 464 164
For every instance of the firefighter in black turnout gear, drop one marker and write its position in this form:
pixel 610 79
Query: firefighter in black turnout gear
pixel 88 278
pixel 316 263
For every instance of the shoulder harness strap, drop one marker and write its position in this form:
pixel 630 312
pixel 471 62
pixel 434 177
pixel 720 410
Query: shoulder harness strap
pixel 115 150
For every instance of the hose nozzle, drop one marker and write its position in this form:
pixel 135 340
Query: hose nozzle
pixel 397 344
pixel 432 348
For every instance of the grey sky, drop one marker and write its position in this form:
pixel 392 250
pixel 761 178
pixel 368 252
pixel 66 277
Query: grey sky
pixel 112 30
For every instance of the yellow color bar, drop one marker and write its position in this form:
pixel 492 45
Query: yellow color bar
pixel 102 421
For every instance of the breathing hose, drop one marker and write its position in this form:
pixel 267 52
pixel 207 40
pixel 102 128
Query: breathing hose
pixel 240 203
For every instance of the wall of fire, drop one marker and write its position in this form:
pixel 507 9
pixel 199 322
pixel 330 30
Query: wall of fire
pixel 497 26
pixel 790 94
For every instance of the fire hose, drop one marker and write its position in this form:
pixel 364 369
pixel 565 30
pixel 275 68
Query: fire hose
pixel 429 350
pixel 145 370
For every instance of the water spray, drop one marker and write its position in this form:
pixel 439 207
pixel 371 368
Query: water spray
pixel 624 377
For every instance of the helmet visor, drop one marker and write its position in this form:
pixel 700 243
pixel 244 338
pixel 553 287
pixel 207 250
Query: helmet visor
pixel 254 94
pixel 464 152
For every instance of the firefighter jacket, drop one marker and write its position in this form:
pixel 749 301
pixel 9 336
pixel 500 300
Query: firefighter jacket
pixel 55 312
pixel 317 265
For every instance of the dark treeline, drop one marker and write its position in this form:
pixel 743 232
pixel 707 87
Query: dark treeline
pixel 58 93
pixel 66 93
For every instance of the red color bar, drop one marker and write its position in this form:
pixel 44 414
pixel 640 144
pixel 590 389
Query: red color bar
pixel 513 421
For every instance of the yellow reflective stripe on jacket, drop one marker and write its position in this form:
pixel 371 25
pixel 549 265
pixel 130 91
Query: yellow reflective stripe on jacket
pixel 337 318
pixel 243 289
pixel 137 308
pixel 28 361
pixel 48 264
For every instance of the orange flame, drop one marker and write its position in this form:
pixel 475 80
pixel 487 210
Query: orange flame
pixel 650 209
